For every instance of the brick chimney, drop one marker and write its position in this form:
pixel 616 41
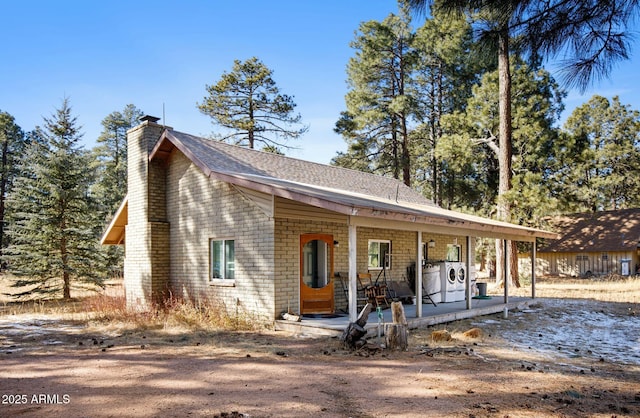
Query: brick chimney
pixel 146 265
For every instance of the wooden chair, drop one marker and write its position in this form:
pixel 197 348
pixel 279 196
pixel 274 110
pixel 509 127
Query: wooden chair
pixel 361 298
pixel 376 294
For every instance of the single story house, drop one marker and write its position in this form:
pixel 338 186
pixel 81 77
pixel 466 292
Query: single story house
pixel 265 233
pixel 594 243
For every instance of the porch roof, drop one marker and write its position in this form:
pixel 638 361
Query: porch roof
pixel 365 198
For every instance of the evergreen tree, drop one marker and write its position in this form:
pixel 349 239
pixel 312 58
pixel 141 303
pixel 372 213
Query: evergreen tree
pixel 111 158
pixel 248 102
pixel 380 102
pixel 445 71
pixel 53 226
pixel 12 143
pixel 591 34
pixel 536 107
pixel 600 157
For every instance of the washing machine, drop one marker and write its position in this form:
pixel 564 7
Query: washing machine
pixel 432 284
pixel 461 276
pixel 448 277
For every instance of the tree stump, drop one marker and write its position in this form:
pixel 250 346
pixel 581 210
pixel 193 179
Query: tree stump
pixel 396 336
pixel 352 335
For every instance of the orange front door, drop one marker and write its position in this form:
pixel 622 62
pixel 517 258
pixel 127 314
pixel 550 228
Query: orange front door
pixel 316 274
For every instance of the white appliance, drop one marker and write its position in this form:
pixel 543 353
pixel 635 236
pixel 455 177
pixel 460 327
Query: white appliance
pixel 461 277
pixel 432 284
pixel 448 277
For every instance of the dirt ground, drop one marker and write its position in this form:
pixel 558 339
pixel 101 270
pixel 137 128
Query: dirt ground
pixel 54 367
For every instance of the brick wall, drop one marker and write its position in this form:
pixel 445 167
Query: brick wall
pixel 146 249
pixel 200 209
pixel 287 255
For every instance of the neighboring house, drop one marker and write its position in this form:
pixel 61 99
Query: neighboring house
pixel 592 244
pixel 264 233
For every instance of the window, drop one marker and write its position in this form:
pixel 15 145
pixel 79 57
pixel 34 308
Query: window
pixel 379 254
pixel 453 252
pixel 222 259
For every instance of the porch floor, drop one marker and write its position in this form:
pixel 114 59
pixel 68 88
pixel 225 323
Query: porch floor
pixel 431 315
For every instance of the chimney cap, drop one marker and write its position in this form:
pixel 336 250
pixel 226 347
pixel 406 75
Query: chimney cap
pixel 149 118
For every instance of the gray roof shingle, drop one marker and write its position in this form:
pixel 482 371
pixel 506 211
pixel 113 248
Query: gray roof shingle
pixel 225 158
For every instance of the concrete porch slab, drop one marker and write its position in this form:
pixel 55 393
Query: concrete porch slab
pixel 431 315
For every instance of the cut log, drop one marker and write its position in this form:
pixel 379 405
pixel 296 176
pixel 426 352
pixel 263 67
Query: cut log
pixel 396 336
pixel 397 313
pixel 364 315
pixel 353 334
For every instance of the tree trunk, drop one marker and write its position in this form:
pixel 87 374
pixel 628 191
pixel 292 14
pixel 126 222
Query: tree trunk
pixel 396 337
pixel 505 155
pixel 352 337
pixel 4 172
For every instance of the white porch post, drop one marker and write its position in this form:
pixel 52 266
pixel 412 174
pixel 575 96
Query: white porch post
pixel 467 279
pixel 505 271
pixel 353 273
pixel 534 255
pixel 418 288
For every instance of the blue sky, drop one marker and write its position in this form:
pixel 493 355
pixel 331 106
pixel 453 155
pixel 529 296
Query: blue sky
pixel 105 55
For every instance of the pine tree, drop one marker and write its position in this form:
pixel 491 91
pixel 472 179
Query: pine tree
pixel 111 170
pixel 248 102
pixel 53 225
pixel 12 143
pixel 445 71
pixel 600 157
pixel 380 103
pixel 111 158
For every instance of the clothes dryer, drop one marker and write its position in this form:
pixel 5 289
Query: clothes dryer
pixel 461 277
pixel 448 277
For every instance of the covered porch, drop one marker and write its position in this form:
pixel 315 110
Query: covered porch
pixel 334 325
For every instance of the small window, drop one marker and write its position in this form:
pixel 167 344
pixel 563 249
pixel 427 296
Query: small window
pixel 453 252
pixel 379 254
pixel 222 259
pixel 605 257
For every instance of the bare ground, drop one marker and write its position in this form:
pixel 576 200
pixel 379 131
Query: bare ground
pixel 55 367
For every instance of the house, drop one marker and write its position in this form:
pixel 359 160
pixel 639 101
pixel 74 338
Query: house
pixel 593 244
pixel 265 233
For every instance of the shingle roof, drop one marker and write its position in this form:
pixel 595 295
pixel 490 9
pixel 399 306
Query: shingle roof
pixel 222 157
pixel 615 230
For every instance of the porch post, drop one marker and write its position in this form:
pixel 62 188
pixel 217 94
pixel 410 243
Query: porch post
pixel 353 272
pixel 467 279
pixel 534 255
pixel 418 288
pixel 505 271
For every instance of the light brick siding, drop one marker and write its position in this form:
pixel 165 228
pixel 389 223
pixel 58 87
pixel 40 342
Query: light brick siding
pixel 200 208
pixel 287 255
pixel 146 264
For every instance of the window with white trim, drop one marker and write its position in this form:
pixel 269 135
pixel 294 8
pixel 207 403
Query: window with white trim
pixel 379 254
pixel 222 259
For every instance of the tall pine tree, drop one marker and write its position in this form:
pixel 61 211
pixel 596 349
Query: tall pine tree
pixel 12 143
pixel 380 103
pixel 53 230
pixel 599 158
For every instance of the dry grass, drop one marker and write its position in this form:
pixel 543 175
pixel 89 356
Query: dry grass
pixel 606 289
pixel 172 313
